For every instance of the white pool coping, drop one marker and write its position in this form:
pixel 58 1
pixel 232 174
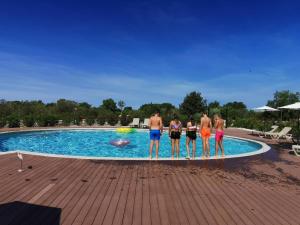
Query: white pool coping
pixel 264 148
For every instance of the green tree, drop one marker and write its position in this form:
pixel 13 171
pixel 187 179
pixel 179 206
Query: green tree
pixel 121 105
pixel 109 104
pixel 232 111
pixel 214 108
pixel 282 98
pixel 192 103
pixel 65 106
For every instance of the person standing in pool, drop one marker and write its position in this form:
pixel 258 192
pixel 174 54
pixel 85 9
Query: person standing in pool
pixel 156 130
pixel 205 132
pixel 191 135
pixel 175 130
pixel 219 126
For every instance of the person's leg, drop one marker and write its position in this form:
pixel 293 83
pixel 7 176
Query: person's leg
pixel 203 147
pixel 151 148
pixel 222 147
pixel 177 147
pixel 188 147
pixel 157 148
pixel 217 147
pixel 194 148
pixel 173 146
pixel 207 146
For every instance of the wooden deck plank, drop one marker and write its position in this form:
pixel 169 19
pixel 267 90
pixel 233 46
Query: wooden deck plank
pixel 154 206
pixel 62 181
pixel 182 217
pixel 79 218
pixel 228 215
pixel 271 201
pixel 20 187
pixel 138 198
pixel 116 181
pixel 74 206
pixel 180 189
pixel 189 195
pixel 115 199
pixel 122 205
pixel 243 216
pixel 200 202
pixel 146 208
pixel 161 196
pixel 168 197
pixel 96 206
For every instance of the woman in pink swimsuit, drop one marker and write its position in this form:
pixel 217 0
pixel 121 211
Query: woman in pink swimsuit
pixel 219 126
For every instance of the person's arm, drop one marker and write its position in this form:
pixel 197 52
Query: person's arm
pixel 170 128
pixel 149 123
pixel 200 127
pixel 180 128
pixel 216 124
pixel 210 125
pixel 161 126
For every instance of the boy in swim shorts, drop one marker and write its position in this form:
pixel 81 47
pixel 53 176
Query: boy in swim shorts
pixel 156 129
pixel 219 126
pixel 205 132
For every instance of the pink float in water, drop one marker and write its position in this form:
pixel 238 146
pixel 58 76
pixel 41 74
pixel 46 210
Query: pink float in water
pixel 119 142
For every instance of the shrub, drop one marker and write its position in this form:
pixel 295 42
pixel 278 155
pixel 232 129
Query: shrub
pixel 13 121
pixel 29 121
pixel 67 121
pixel 295 132
pixel 2 123
pixel 125 120
pixel 90 121
pixel 112 119
pixel 48 120
pixel 101 119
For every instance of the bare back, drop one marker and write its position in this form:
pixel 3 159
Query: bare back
pixel 155 123
pixel 205 122
pixel 220 124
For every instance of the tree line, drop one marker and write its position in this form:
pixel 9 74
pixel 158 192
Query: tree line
pixel 67 112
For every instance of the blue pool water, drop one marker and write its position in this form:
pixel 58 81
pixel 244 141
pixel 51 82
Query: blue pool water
pixel 96 143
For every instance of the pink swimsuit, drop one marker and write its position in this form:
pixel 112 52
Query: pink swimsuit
pixel 219 135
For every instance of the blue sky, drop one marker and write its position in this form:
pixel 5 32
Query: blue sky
pixel 149 51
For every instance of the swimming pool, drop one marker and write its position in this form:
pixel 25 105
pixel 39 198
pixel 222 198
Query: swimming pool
pixel 95 143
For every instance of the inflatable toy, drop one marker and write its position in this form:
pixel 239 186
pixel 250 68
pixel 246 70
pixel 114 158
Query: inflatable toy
pixel 125 130
pixel 119 142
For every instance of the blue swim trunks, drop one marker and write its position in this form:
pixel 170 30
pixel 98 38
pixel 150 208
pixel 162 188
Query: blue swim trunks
pixel 155 135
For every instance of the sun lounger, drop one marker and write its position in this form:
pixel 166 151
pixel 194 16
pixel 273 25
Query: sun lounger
pixel 135 122
pixel 296 150
pixel 145 124
pixel 283 134
pixel 261 133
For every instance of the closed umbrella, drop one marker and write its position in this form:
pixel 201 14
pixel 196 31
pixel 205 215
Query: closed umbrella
pixel 265 108
pixel 295 106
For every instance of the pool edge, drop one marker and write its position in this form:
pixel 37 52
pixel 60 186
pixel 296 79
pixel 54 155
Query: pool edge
pixel 264 148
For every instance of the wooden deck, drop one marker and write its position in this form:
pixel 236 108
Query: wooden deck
pixel 254 190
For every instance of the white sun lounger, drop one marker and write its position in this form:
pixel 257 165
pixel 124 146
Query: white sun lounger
pixel 261 133
pixel 296 150
pixel 283 134
pixel 135 122
pixel 145 124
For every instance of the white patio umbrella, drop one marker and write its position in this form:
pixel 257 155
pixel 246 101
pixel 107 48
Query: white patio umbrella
pixel 265 108
pixel 295 106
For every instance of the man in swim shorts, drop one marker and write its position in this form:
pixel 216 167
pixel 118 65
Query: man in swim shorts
pixel 156 129
pixel 219 126
pixel 205 132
